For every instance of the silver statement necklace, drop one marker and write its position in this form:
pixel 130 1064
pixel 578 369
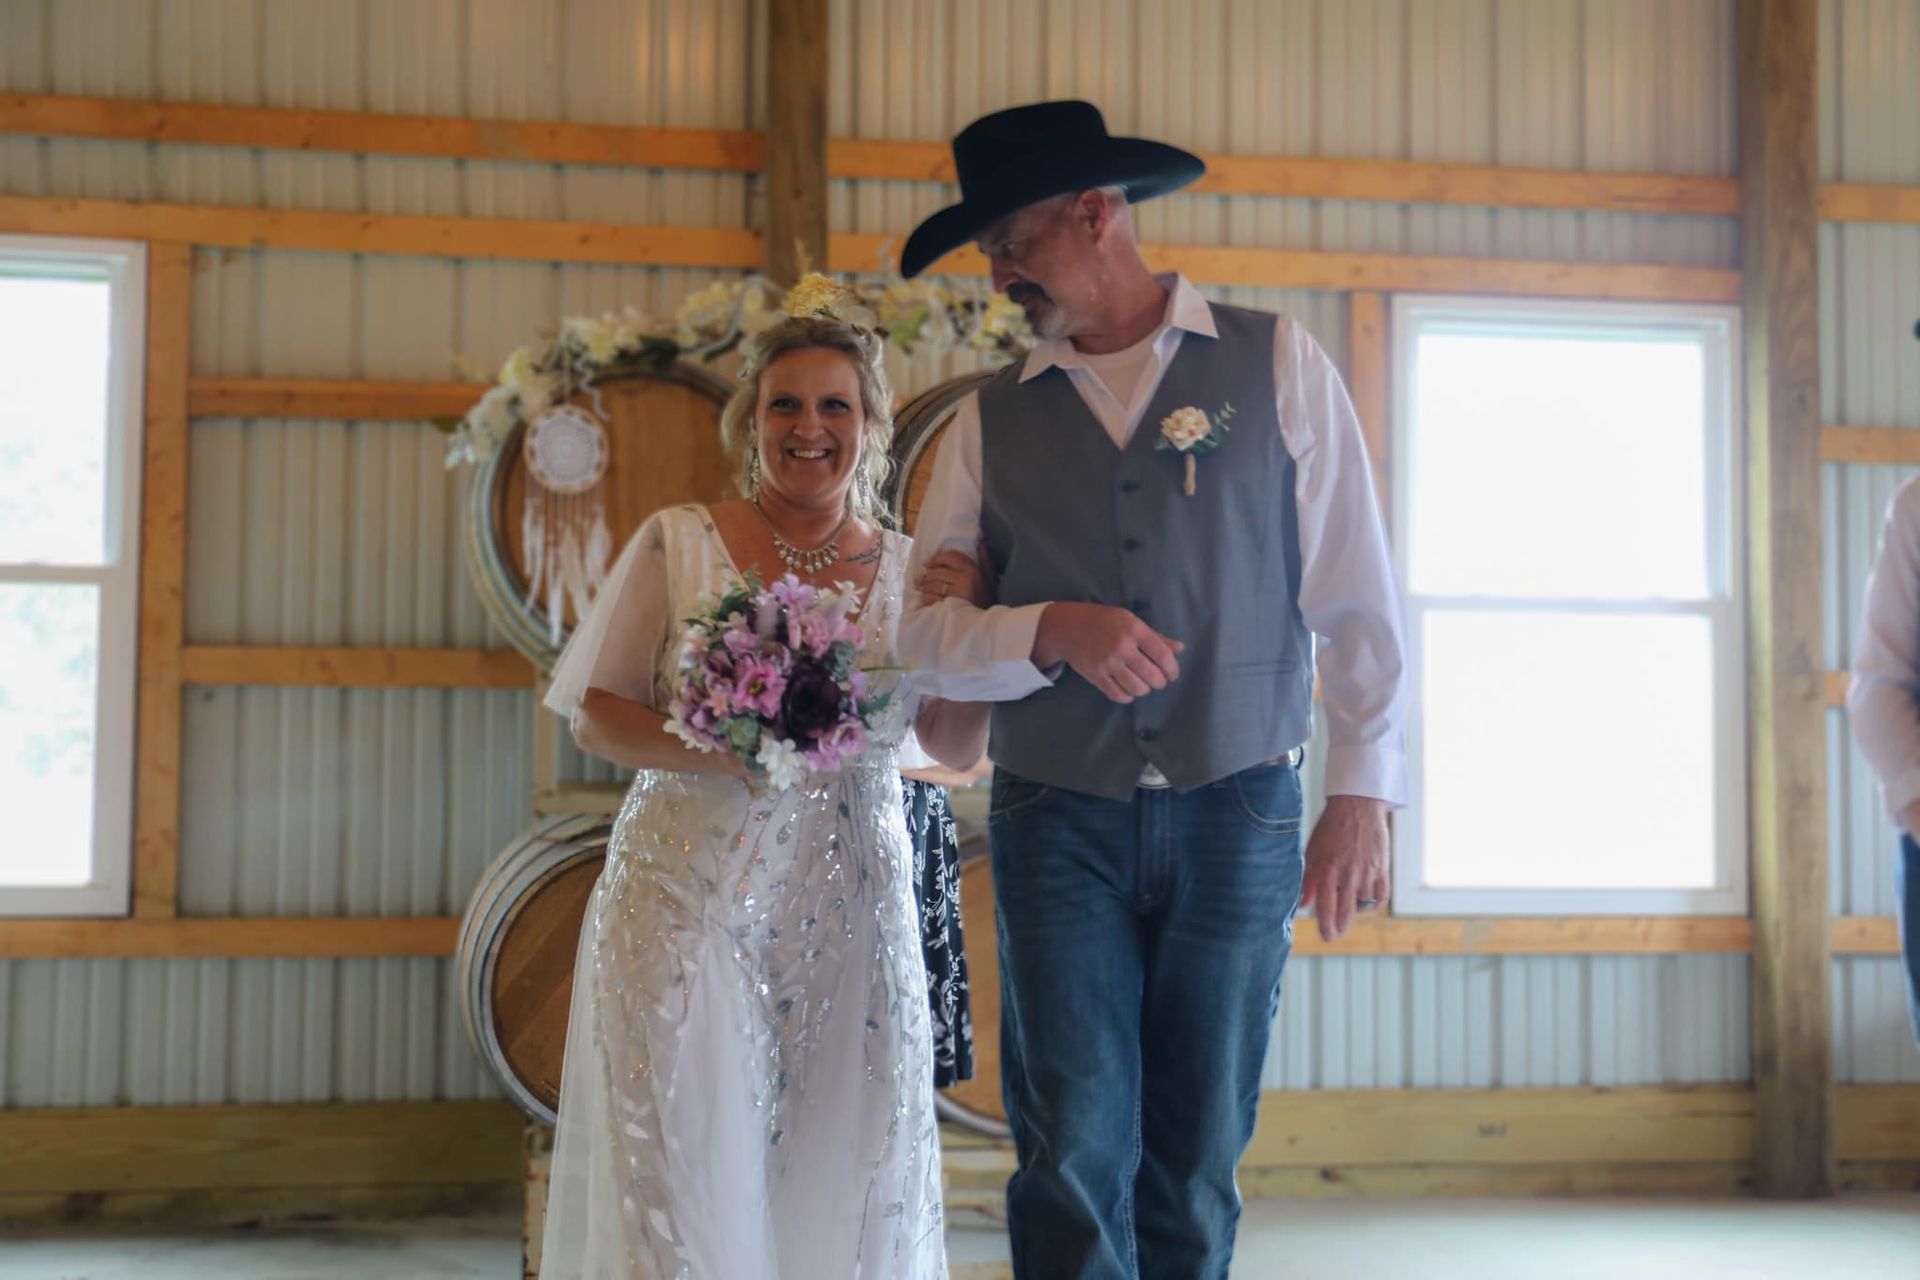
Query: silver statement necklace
pixel 806 560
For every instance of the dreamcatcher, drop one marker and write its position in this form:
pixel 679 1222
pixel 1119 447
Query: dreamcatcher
pixel 563 519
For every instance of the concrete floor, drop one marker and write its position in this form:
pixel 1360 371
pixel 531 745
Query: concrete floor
pixel 1860 1238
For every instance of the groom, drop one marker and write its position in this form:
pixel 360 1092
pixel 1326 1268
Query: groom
pixel 1176 500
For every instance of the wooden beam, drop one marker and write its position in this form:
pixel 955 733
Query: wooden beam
pixel 721 248
pixel 367 133
pixel 340 1144
pixel 1532 935
pixel 1390 181
pixel 201 937
pixel 1385 273
pixel 206 938
pixel 1367 365
pixel 1792 976
pixel 330 398
pixel 356 667
pixel 163 577
pixel 797 184
pixel 1865 935
pixel 226 226
pixel 1898 446
pixel 1859 202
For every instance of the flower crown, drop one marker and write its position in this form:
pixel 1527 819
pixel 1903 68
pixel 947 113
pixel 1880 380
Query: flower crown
pixel 821 297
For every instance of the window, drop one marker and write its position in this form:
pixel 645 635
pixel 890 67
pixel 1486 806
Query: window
pixel 1566 495
pixel 71 340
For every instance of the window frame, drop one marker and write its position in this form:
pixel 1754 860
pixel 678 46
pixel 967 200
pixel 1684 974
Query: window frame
pixel 1718 329
pixel 123 266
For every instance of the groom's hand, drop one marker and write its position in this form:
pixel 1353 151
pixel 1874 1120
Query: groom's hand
pixel 1346 862
pixel 1111 648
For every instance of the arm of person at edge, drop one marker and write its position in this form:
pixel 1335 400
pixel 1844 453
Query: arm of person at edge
pixel 1348 598
pixel 1885 681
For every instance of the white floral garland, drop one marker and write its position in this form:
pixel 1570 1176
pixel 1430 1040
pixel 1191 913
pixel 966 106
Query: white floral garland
pixel 709 323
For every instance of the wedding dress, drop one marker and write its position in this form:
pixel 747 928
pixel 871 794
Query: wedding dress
pixel 747 1089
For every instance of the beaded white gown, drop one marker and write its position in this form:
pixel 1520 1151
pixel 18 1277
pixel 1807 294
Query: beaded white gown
pixel 747 1092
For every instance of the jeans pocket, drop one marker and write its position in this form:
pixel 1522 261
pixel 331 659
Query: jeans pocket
pixel 1012 793
pixel 1268 798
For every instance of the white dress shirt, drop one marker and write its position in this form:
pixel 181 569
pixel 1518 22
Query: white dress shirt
pixel 1886 647
pixel 1347 594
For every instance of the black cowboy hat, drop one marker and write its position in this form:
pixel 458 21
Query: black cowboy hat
pixel 1012 158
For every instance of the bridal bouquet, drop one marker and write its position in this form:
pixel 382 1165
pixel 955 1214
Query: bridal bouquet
pixel 769 674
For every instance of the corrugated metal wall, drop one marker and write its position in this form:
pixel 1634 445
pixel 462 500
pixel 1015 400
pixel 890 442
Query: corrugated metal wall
pixel 357 802
pixel 1644 85
pixel 1869 376
pixel 326 533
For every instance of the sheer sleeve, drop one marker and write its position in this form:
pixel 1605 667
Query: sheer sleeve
pixel 621 643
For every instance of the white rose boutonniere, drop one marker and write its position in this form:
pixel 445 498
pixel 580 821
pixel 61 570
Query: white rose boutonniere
pixel 1194 433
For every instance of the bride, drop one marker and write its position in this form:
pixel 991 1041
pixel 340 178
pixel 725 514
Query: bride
pixel 747 1090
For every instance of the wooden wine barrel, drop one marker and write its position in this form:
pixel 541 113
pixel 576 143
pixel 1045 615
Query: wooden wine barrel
pixel 976 1103
pixel 516 954
pixel 663 448
pixel 917 433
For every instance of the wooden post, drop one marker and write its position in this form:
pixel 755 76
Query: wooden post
pixel 796 138
pixel 1792 961
pixel 163 574
pixel 1367 363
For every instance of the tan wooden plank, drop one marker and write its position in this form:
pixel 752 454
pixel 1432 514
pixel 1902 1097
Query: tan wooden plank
pixel 1503 1126
pixel 190 937
pixel 356 667
pixel 523 240
pixel 1532 935
pixel 1367 365
pixel 1891 445
pixel 1877 1122
pixel 368 133
pixel 1792 974
pixel 347 1144
pixel 796 185
pixel 1397 182
pixel 1865 935
pixel 1386 273
pixel 1861 202
pixel 330 398
pixel 163 576
pixel 401 936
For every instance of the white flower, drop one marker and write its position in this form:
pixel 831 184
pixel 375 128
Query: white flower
pixel 784 764
pixel 600 340
pixel 707 316
pixel 757 312
pixel 1002 323
pixel 686 735
pixel 1184 428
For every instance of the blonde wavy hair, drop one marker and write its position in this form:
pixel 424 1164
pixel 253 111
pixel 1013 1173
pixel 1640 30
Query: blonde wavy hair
pixel 863 348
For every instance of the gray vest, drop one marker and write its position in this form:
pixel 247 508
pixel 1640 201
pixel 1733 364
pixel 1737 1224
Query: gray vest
pixel 1070 517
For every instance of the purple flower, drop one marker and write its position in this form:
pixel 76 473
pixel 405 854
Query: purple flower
pixel 740 640
pixel 810 634
pixel 796 595
pixel 812 704
pixel 838 744
pixel 758 686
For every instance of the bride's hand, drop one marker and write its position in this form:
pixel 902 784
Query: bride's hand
pixel 955 575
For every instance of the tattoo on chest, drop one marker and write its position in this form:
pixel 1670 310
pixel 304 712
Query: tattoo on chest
pixel 870 556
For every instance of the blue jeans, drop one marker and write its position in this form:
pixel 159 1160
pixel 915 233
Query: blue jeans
pixel 1141 946
pixel 1906 887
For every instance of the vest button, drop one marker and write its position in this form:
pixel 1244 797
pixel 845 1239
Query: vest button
pixel 1131 544
pixel 1129 486
pixel 1138 606
pixel 1148 735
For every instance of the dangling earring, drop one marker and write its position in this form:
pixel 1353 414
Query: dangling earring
pixel 863 496
pixel 753 475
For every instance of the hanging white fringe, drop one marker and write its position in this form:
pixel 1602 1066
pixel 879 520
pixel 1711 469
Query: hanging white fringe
pixel 563 522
